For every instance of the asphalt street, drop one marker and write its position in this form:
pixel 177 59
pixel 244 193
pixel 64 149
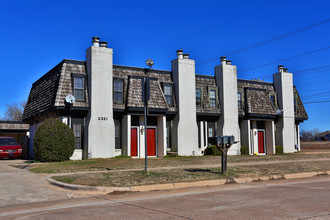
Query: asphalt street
pixel 307 198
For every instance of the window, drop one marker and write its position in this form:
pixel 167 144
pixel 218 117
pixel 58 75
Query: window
pixel 77 135
pixel 239 100
pixel 79 88
pixel 198 97
pixel 168 94
pixel 117 135
pixel 212 98
pixel 118 90
pixel 273 99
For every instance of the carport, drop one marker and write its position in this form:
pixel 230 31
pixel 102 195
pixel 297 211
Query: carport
pixel 18 130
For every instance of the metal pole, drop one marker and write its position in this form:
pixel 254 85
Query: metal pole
pixel 224 159
pixel 145 126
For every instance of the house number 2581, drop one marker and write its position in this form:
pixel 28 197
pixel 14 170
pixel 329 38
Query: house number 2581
pixel 102 118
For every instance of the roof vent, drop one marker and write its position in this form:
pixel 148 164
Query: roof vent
pixel 280 68
pixel 223 60
pixel 228 62
pixel 186 56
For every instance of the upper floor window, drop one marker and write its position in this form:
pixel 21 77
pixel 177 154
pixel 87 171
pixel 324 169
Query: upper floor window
pixel 118 90
pixel 239 100
pixel 79 88
pixel 273 99
pixel 198 97
pixel 212 98
pixel 168 94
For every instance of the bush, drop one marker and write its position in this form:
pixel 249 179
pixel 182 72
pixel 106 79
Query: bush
pixel 279 149
pixel 54 141
pixel 212 150
pixel 244 150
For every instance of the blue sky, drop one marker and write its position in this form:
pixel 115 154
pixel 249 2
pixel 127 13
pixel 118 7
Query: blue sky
pixel 37 35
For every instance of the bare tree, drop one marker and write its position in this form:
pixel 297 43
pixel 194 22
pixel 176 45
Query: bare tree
pixel 14 111
pixel 310 134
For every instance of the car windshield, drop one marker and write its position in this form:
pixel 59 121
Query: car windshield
pixel 8 141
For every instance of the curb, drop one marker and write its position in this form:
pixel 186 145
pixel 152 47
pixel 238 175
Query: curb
pixel 170 186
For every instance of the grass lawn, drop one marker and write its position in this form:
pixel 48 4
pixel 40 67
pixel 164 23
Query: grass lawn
pixel 135 178
pixel 129 163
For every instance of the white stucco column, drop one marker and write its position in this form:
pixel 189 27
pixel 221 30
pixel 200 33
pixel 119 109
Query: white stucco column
pixel 100 127
pixel 226 78
pixel 141 134
pixel 126 135
pixel 161 133
pixel 254 137
pixel 283 83
pixel 270 137
pixel 206 134
pixel 201 132
pixel 298 136
pixel 185 137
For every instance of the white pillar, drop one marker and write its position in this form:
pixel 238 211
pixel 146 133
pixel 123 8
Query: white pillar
pixel 143 131
pixel 226 78
pixel 206 134
pixel 161 136
pixel 283 83
pixel 254 137
pixel 100 124
pixel 185 139
pixel 126 135
pixel 298 136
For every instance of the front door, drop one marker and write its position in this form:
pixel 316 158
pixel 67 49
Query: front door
pixel 261 142
pixel 151 141
pixel 134 142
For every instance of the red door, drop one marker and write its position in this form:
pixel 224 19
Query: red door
pixel 151 141
pixel 134 143
pixel 261 147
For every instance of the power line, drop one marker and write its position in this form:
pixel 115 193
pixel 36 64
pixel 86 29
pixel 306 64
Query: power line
pixel 289 58
pixel 266 41
pixel 209 28
pixel 317 102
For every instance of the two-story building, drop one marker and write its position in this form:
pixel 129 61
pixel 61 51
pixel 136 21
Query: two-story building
pixel 183 111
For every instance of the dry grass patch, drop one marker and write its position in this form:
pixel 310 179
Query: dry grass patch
pixel 136 178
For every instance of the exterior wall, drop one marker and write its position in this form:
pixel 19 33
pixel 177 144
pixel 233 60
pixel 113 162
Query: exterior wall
pixel 185 131
pixel 297 137
pixel 226 78
pixel 100 127
pixel 270 137
pixel 285 132
pixel 33 130
pixel 246 135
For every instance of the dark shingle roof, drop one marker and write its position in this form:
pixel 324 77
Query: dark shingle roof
pixel 204 82
pixel 50 90
pixel 301 113
pixel 258 102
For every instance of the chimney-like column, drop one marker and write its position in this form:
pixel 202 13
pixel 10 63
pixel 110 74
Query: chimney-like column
pixel 99 123
pixel 226 79
pixel 285 127
pixel 185 130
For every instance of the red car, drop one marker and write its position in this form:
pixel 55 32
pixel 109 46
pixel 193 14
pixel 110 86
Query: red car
pixel 9 148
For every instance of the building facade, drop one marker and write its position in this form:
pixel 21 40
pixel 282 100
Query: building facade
pixel 183 111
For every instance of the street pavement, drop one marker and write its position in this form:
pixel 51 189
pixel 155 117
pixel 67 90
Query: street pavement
pixel 18 186
pixel 307 198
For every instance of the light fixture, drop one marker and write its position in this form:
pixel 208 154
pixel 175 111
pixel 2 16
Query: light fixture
pixel 149 63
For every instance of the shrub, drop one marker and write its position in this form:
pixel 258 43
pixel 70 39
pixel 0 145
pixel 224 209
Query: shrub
pixel 244 150
pixel 54 141
pixel 279 149
pixel 212 150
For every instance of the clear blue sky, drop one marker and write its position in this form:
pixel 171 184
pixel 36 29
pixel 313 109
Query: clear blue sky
pixel 37 35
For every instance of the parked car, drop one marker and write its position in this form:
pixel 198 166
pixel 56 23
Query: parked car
pixel 9 148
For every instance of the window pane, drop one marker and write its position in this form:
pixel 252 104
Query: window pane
pixel 212 102
pixel 169 100
pixel 210 132
pixel 118 86
pixel 168 90
pixel 212 94
pixel 118 97
pixel 78 94
pixel 239 96
pixel 78 83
